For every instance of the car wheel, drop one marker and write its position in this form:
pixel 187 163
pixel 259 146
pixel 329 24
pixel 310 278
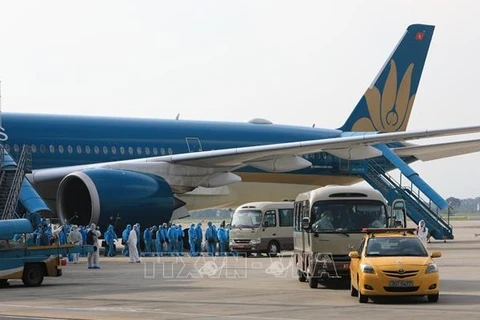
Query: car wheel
pixel 301 276
pixel 433 297
pixel 361 298
pixel 273 249
pixel 353 291
pixel 32 275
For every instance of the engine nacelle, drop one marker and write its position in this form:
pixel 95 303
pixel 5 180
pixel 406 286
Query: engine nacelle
pixel 116 197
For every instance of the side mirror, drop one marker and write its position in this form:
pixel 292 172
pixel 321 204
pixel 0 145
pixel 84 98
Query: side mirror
pixel 354 255
pixel 305 223
pixel 436 254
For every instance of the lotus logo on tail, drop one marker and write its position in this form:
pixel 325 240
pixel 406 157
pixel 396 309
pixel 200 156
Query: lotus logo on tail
pixel 389 111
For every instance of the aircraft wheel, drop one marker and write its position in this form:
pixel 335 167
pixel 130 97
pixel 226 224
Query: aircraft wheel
pixel 32 275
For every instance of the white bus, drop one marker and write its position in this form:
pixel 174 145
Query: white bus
pixel 262 227
pixel 328 225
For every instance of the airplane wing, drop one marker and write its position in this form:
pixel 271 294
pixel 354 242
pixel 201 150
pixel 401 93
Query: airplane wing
pixel 439 150
pixel 203 168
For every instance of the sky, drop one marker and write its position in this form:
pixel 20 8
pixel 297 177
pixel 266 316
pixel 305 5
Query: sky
pixel 291 62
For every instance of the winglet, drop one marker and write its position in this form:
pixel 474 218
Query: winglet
pixel 387 103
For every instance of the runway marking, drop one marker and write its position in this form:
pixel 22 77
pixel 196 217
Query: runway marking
pixel 133 310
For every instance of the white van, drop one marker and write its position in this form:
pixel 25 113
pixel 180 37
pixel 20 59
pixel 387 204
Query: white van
pixel 262 227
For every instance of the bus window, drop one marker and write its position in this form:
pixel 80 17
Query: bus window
pixel 286 217
pixel 246 219
pixel 348 215
pixel 270 219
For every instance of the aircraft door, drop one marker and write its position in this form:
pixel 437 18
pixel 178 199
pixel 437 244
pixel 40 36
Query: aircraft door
pixel 193 144
pixel 399 214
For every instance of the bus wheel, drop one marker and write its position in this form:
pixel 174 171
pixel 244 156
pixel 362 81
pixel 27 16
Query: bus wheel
pixel 32 275
pixel 301 276
pixel 312 282
pixel 273 249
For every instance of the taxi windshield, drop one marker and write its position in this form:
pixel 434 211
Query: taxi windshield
pixel 246 219
pixel 395 246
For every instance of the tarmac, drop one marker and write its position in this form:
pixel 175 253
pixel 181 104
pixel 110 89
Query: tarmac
pixel 238 288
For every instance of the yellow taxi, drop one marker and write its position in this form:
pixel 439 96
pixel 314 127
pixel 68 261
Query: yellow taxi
pixel 393 262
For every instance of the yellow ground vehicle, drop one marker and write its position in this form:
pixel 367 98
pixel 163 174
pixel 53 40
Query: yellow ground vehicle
pixel 393 262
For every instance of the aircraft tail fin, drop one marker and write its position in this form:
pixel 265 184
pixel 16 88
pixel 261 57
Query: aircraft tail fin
pixel 387 103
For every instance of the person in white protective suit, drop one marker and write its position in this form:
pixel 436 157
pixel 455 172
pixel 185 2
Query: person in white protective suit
pixel 94 257
pixel 75 237
pixel 132 246
pixel 422 232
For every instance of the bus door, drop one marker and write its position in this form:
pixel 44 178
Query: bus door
pixel 306 232
pixel 398 218
pixel 269 225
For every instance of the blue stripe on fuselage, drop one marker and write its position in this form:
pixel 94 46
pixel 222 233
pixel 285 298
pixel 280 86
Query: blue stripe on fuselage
pixel 78 132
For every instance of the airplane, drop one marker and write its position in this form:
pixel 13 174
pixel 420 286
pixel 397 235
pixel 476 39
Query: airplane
pixel 109 169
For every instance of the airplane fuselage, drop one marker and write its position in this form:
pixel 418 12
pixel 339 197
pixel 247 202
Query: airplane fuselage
pixel 60 140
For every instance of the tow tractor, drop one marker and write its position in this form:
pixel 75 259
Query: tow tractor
pixel 30 263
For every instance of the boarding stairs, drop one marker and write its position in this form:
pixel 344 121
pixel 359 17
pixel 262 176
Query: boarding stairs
pixel 422 202
pixel 12 175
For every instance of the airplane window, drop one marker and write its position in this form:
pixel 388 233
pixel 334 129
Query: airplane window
pixel 105 150
pixel 87 149
pixel 114 150
pixel 139 150
pixel 130 150
pixel 52 148
pixel 122 150
pixel 96 150
pixel 34 148
pixel 16 148
pixel 147 151
pixel 170 151
pixel 155 150
pixel 162 151
pixel 60 148
pixel 7 147
pixel 42 148
pixel 79 149
pixel 69 148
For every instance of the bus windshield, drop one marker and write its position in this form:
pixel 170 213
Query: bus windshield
pixel 348 215
pixel 246 219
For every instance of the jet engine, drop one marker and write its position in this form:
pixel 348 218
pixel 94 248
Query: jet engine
pixel 116 197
